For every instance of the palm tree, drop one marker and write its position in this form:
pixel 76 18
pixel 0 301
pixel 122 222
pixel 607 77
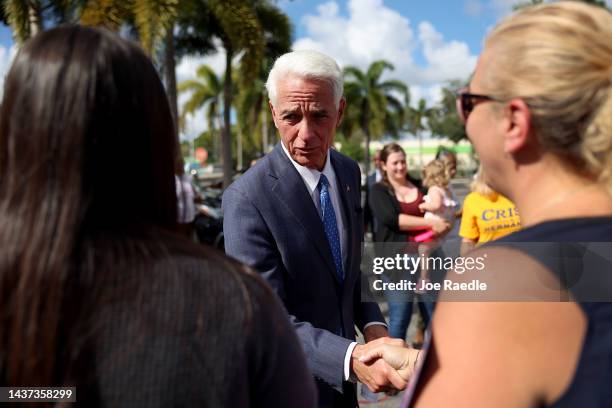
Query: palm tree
pixel 417 118
pixel 25 16
pixel 235 23
pixel 206 91
pixel 373 106
pixel 443 120
pixel 154 20
pixel 251 103
pixel 154 24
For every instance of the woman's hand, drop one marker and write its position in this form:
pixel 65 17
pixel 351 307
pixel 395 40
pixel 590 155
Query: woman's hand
pixel 440 226
pixel 400 358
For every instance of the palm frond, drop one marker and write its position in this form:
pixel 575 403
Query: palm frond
pixel 153 18
pixel 105 13
pixel 376 69
pixel 242 32
pixel 18 17
pixel 355 73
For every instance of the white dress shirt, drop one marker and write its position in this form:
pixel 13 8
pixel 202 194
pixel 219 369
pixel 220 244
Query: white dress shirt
pixel 311 180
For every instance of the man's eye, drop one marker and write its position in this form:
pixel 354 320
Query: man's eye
pixel 291 117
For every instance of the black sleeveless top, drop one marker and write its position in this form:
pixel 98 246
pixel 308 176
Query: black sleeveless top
pixel 590 385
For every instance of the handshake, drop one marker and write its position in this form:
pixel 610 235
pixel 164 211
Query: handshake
pixel 384 364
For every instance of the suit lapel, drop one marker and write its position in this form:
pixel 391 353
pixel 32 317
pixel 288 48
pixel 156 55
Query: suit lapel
pixel 292 193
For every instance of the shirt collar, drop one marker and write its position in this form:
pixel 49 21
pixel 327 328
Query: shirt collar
pixel 311 176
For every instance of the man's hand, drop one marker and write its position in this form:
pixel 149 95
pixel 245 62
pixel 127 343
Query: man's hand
pixel 376 374
pixel 400 358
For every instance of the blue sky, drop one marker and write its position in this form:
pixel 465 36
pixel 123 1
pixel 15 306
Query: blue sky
pixel 5 36
pixel 461 20
pixel 430 42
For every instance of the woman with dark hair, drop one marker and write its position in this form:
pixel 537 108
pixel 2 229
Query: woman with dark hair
pixel 395 204
pixel 96 289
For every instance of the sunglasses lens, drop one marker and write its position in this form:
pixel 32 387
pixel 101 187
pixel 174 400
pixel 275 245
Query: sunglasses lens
pixel 459 107
pixel 468 105
pixel 464 106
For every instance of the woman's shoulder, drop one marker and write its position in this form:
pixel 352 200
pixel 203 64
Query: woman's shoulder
pixel 211 270
pixel 182 301
pixel 168 268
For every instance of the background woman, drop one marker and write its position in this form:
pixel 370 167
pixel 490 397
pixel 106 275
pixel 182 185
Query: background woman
pixel 395 205
pixel 539 113
pixel 96 290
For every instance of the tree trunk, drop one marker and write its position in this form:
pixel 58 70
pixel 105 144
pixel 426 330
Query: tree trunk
pixel 367 153
pixel 418 135
pixel 239 151
pixel 226 140
pixel 170 74
pixel 36 23
pixel 365 119
pixel 170 71
pixel 264 129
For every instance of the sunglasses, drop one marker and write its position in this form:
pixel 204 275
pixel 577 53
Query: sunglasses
pixel 466 102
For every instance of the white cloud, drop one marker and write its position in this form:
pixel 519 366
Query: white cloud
pixel 372 31
pixel 473 8
pixel 446 60
pixel 6 59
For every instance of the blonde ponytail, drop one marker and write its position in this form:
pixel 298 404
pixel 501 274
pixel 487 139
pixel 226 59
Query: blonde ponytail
pixel 597 142
pixel 557 57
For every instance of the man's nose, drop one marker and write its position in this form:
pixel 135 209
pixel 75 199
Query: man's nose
pixel 306 131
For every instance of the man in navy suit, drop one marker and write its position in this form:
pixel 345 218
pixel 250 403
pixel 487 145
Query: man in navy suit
pixel 296 218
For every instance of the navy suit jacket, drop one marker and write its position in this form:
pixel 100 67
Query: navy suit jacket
pixel 272 225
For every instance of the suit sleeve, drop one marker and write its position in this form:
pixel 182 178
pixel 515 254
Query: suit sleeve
pixel 248 240
pixel 366 310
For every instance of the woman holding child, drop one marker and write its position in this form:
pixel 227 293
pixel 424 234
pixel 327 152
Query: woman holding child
pixel 395 204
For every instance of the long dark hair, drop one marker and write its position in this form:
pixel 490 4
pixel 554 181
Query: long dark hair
pixel 86 150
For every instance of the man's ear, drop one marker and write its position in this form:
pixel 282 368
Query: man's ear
pixel 518 126
pixel 273 113
pixel 341 111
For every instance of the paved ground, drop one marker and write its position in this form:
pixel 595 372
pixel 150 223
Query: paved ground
pixel 460 188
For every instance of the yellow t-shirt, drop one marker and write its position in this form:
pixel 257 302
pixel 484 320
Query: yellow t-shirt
pixel 486 218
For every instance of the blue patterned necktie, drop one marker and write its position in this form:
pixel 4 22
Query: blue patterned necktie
pixel 329 223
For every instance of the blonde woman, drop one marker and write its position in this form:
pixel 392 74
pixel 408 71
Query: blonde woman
pixel 539 113
pixel 487 215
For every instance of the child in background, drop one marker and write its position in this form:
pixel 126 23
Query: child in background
pixel 438 203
